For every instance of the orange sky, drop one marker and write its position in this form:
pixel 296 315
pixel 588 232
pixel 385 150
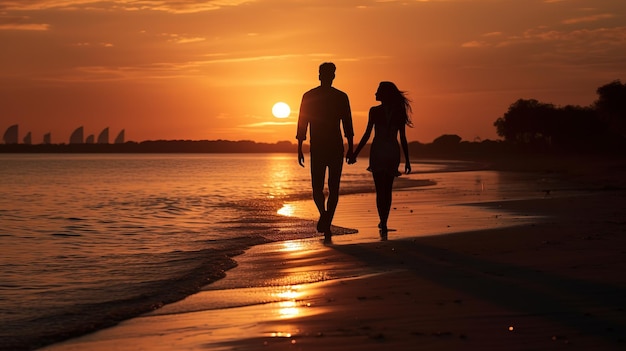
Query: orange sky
pixel 213 69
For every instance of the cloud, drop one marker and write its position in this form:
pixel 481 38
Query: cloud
pixel 21 23
pixel 592 18
pixel 492 34
pixel 183 39
pixel 265 124
pixel 609 37
pixel 88 44
pixel 223 58
pixel 481 43
pixel 175 6
pixel 160 70
pixel 38 5
pixel 85 74
pixel 245 59
pixel 182 69
pixel 474 44
pixel 26 26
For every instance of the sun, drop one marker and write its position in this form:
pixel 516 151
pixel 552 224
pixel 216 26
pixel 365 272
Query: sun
pixel 281 110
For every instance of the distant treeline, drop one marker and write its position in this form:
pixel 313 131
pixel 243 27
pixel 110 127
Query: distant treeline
pixel 537 126
pixel 445 146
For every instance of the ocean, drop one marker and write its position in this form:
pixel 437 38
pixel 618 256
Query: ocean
pixel 88 240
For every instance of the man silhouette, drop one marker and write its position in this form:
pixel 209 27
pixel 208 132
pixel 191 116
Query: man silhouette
pixel 324 108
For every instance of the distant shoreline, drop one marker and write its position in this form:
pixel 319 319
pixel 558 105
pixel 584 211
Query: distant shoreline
pixel 450 148
pixel 157 146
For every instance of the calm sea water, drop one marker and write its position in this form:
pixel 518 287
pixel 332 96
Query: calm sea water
pixel 87 240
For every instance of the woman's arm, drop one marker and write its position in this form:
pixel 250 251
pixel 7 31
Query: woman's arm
pixel 364 139
pixel 405 149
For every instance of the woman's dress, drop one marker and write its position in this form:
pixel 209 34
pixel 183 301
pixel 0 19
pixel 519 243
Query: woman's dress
pixel 385 149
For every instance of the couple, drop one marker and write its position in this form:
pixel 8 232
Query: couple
pixel 323 109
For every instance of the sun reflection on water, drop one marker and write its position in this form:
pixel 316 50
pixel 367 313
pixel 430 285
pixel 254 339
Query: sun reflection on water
pixel 291 246
pixel 287 210
pixel 289 307
pixel 279 176
pixel 280 335
pixel 290 293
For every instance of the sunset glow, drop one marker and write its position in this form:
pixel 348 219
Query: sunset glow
pixel 198 70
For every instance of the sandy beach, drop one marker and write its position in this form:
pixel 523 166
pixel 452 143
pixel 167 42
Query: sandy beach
pixel 533 270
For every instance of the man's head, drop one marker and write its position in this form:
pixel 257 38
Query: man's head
pixel 327 73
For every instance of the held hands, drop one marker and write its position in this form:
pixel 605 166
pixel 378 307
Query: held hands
pixel 351 158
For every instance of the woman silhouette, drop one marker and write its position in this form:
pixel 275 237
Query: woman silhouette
pixel 388 119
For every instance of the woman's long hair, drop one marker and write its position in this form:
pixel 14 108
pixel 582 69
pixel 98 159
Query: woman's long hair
pixel 397 99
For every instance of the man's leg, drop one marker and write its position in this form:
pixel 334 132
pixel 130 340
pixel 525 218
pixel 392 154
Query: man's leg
pixel 334 177
pixel 318 175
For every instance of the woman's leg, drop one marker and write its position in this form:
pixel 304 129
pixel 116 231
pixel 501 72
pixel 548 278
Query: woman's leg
pixel 384 186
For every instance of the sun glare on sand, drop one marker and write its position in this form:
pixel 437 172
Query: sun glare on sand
pixel 281 110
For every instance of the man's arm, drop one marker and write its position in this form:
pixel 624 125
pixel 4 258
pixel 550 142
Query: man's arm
pixel 348 129
pixel 300 154
pixel 350 148
pixel 303 124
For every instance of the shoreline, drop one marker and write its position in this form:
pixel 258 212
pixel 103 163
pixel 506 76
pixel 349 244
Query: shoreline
pixel 554 279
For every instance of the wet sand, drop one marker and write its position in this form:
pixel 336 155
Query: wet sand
pixel 482 261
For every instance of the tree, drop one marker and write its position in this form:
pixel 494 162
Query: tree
pixel 527 122
pixel 447 140
pixel 539 126
pixel 611 107
pixel 576 128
